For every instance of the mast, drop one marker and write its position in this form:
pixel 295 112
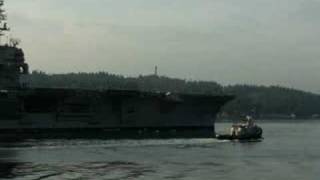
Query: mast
pixel 3 20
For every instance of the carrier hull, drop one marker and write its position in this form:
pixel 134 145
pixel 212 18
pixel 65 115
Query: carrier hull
pixel 107 133
pixel 111 114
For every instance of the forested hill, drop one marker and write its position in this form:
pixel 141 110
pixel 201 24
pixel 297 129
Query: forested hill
pixel 102 80
pixel 271 101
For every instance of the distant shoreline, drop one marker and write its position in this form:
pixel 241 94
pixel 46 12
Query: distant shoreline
pixel 270 120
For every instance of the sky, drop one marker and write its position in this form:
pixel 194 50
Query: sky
pixel 262 42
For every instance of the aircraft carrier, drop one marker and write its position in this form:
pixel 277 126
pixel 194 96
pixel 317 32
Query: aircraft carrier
pixel 77 113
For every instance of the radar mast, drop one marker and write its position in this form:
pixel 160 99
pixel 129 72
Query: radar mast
pixel 3 18
pixel 5 28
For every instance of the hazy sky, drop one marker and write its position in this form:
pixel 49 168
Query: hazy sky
pixel 228 41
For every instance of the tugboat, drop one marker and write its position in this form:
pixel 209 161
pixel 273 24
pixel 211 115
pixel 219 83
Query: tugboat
pixel 247 130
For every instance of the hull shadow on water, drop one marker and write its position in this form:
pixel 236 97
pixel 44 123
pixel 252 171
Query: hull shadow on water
pixel 7 165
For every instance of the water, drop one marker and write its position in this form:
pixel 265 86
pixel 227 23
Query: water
pixel 289 151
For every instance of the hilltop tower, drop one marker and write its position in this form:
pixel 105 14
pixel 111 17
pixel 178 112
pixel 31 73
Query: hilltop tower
pixel 12 62
pixel 156 70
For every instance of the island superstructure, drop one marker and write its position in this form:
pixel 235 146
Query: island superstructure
pixel 27 112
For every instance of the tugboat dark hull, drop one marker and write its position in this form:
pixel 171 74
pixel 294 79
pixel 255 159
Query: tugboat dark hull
pixel 230 137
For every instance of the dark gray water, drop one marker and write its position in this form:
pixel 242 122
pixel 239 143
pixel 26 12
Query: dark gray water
pixel 289 151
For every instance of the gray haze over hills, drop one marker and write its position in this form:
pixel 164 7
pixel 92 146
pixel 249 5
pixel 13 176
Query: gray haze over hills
pixel 228 41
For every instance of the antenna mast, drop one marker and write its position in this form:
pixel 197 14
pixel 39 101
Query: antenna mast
pixel 156 70
pixel 3 17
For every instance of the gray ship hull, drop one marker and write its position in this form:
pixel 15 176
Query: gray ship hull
pixel 113 114
pixel 107 133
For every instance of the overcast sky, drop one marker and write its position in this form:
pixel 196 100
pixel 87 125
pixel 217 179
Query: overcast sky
pixel 229 41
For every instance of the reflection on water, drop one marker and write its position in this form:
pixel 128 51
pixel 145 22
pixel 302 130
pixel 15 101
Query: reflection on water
pixel 7 167
pixel 289 151
pixel 89 170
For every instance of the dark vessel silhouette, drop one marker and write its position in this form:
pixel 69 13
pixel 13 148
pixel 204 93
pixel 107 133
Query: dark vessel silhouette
pixel 77 113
